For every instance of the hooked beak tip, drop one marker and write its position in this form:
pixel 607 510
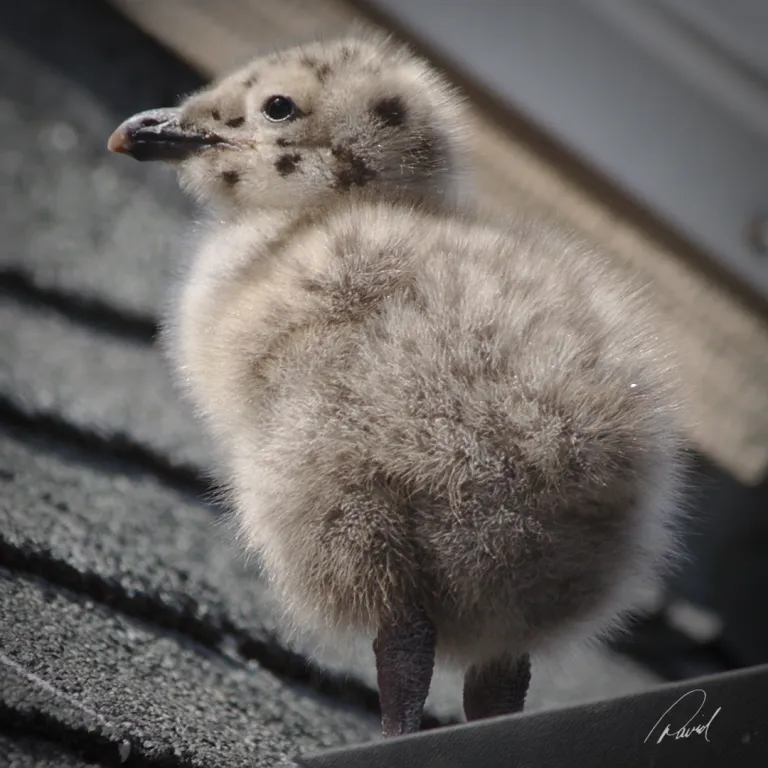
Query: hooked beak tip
pixel 120 142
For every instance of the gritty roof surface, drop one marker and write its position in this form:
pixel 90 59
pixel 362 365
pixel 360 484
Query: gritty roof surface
pixel 131 630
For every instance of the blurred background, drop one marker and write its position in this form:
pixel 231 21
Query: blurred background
pixel 643 123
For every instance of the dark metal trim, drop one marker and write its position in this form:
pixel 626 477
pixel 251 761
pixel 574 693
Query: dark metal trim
pixel 637 731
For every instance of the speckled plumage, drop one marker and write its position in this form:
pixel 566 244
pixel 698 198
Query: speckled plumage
pixel 416 405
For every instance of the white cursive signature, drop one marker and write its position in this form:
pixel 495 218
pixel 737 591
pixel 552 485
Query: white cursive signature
pixel 686 730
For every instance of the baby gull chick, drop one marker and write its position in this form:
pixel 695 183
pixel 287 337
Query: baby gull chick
pixel 454 434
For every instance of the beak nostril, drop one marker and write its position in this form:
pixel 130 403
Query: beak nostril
pixel 148 121
pixel 153 118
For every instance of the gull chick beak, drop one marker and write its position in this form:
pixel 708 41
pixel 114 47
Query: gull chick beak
pixel 158 135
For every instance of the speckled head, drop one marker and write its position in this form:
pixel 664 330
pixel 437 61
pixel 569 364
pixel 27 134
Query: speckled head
pixel 358 114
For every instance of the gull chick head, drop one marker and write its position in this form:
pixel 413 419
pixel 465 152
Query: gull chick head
pixel 292 128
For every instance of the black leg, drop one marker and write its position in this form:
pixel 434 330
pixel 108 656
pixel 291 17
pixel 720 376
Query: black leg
pixel 497 688
pixel 405 657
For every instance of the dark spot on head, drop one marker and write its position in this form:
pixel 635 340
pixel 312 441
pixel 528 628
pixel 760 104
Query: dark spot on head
pixel 230 178
pixel 346 53
pixel 287 164
pixel 352 170
pixel 251 80
pixel 322 71
pixel 281 142
pixel 235 122
pixel 390 110
pixel 310 62
pixel 215 114
pixel 320 68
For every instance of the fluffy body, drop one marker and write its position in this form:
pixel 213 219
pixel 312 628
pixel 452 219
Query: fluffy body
pixel 414 404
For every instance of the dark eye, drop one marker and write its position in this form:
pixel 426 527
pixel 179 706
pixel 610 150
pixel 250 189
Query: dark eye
pixel 279 108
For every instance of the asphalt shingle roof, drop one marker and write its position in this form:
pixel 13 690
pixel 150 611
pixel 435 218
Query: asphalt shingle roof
pixel 111 685
pixel 100 383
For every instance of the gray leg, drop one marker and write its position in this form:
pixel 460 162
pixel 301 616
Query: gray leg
pixel 497 688
pixel 405 657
